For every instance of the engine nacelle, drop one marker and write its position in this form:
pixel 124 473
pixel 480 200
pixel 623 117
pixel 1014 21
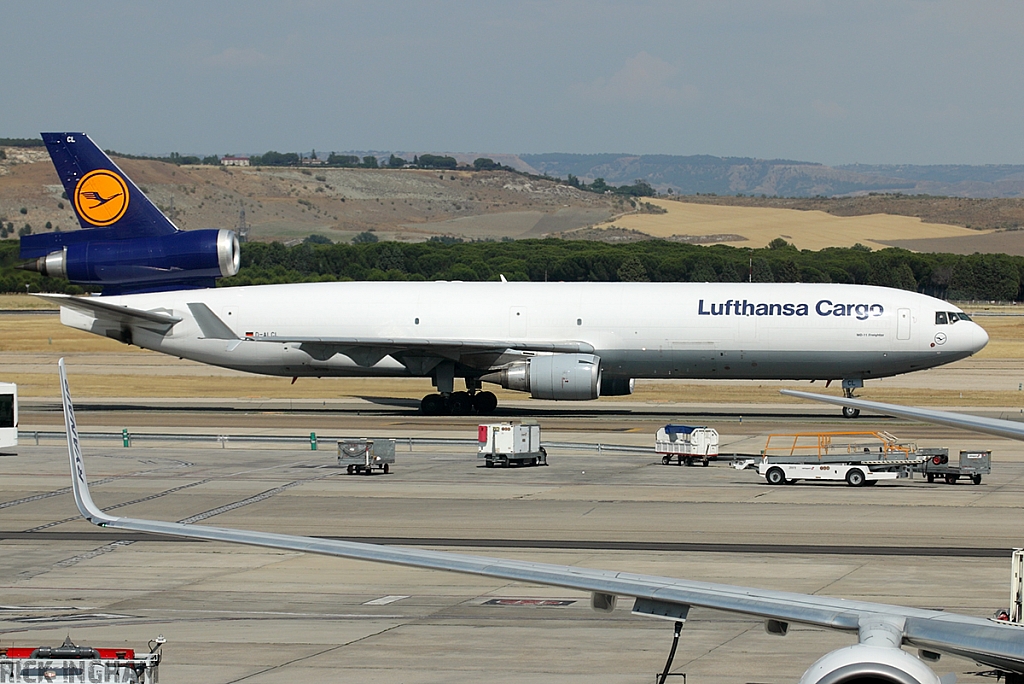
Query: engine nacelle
pixel 193 258
pixel 568 377
pixel 616 386
pixel 861 662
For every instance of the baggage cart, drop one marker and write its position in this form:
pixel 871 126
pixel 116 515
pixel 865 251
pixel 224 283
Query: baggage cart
pixel 366 455
pixel 686 444
pixel 971 465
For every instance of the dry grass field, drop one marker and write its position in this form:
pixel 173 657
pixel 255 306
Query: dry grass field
pixel 102 368
pixel 806 229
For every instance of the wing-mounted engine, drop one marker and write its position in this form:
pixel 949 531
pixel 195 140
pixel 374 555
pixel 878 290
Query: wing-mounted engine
pixel 862 663
pixel 567 377
pixel 126 243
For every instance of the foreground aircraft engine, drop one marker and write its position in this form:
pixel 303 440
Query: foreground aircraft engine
pixel 183 257
pixel 862 663
pixel 568 377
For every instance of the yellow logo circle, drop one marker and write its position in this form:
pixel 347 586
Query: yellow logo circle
pixel 101 197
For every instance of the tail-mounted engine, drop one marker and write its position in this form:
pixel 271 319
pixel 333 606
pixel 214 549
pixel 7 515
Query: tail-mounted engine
pixel 571 377
pixel 181 259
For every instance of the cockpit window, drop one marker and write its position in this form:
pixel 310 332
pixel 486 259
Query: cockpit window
pixel 949 317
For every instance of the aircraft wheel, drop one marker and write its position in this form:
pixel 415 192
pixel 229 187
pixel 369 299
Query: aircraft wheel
pixel 485 402
pixel 855 477
pixel 849 412
pixel 460 403
pixel 432 405
pixel 775 476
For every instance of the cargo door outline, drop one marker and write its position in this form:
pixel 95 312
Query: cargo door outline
pixel 903 324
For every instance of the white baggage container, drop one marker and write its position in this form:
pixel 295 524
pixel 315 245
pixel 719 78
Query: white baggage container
pixel 510 444
pixel 686 444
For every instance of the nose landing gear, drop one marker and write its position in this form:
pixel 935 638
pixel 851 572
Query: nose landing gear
pixel 848 386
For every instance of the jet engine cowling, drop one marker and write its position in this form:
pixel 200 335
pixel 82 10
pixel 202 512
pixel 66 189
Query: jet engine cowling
pixel 182 259
pixel 567 377
pixel 864 663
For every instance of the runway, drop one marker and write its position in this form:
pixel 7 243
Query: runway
pixel 235 614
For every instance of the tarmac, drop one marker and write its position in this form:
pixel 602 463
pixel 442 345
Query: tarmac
pixel 233 614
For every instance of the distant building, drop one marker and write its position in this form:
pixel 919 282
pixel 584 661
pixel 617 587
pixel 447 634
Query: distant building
pixel 234 161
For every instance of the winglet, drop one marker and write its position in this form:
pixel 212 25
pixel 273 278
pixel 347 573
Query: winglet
pixel 79 484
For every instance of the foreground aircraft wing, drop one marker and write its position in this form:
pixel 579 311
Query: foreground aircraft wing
pixel 881 628
pixel 992 426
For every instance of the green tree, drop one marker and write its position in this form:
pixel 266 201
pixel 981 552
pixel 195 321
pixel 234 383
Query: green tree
pixel 703 272
pixel 342 159
pixel 598 186
pixel 370 162
pixel 761 271
pixel 396 162
pixel 632 270
pixel 485 164
pixel 364 238
pixel 317 240
pixel 433 161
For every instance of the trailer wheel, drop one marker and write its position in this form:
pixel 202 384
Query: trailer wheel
pixel 704 463
pixel 351 469
pixel 488 463
pixel 931 478
pixel 775 476
pixel 976 479
pixel 951 479
pixel 387 469
pixel 855 477
pixel 367 471
pixel 665 460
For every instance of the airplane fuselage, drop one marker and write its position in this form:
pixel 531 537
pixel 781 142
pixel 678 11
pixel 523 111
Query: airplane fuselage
pixel 639 330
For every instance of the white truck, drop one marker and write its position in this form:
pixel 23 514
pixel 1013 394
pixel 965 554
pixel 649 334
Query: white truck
pixel 686 444
pixel 8 415
pixel 509 444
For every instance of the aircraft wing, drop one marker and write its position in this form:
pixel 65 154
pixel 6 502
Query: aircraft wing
pixel 992 426
pixel 992 643
pixel 410 343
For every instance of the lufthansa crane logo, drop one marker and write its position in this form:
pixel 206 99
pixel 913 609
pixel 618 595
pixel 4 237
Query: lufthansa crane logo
pixel 101 197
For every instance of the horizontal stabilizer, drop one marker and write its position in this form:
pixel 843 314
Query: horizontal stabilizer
pixel 97 308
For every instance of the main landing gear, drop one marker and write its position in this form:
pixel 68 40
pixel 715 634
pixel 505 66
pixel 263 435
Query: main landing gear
pixel 449 402
pixel 459 404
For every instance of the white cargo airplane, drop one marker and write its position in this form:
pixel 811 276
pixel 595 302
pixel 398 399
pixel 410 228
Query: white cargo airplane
pixel 881 629
pixel 569 341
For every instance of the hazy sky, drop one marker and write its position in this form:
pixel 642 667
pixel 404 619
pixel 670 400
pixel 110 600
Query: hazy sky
pixel 892 81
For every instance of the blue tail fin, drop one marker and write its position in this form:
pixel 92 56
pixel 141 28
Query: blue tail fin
pixel 105 200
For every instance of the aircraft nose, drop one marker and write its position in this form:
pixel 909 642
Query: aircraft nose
pixel 979 338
